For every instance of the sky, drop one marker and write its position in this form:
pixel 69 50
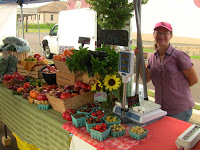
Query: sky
pixel 183 15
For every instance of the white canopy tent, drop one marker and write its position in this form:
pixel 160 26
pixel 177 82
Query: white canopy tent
pixel 8 21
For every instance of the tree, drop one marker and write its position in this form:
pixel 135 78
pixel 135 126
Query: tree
pixel 113 14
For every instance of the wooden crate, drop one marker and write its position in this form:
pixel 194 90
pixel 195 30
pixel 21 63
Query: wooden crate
pixel 63 79
pixel 35 72
pixel 18 55
pixel 62 67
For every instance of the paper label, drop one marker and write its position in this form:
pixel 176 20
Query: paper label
pixel 100 97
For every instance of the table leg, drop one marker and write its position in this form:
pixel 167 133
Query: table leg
pixel 6 140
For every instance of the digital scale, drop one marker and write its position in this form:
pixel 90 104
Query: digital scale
pixel 147 111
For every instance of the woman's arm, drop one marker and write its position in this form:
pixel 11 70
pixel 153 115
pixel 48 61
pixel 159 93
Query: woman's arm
pixel 191 75
pixel 147 70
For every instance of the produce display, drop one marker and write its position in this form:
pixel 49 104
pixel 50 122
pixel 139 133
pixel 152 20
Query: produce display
pixel 111 119
pixel 67 114
pixel 100 127
pixel 49 69
pixel 138 130
pixel 70 91
pixel 15 76
pixel 98 113
pixel 92 120
pixel 64 55
pixel 117 128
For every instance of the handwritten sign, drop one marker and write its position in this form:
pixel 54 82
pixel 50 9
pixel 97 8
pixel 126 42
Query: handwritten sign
pixel 100 97
pixel 114 37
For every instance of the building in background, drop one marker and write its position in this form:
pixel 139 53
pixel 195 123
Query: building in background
pixel 46 14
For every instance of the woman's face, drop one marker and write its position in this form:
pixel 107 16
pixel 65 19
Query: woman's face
pixel 162 37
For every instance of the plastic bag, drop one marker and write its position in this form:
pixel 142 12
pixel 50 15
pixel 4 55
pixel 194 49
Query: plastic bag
pixel 15 44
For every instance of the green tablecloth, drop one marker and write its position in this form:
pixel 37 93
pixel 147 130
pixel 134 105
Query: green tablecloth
pixel 42 128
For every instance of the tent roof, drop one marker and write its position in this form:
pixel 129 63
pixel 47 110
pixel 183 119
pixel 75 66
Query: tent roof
pixel 25 1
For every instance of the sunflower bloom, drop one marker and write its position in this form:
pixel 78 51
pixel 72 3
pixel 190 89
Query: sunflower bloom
pixel 111 82
pixel 97 86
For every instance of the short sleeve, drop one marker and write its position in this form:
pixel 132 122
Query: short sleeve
pixel 183 60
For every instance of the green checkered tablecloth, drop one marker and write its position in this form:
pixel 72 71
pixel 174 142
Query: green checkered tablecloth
pixel 42 128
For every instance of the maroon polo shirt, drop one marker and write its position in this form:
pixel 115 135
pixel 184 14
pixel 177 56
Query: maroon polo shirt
pixel 172 90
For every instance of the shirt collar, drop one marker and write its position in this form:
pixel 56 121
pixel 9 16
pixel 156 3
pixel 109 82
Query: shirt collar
pixel 169 51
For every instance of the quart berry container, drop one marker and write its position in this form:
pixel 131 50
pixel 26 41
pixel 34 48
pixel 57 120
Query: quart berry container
pixel 112 123
pixel 44 107
pixel 101 136
pixel 87 113
pixel 138 136
pixel 89 126
pixel 79 122
pixel 117 134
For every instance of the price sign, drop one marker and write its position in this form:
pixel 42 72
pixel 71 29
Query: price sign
pixel 114 37
pixel 100 97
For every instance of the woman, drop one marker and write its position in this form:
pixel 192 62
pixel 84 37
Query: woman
pixel 172 73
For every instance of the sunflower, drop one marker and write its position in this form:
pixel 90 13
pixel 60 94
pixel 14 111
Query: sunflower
pixel 111 82
pixel 97 86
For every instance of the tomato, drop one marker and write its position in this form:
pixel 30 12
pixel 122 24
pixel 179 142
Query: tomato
pixel 21 78
pixel 67 114
pixel 74 94
pixel 103 125
pixel 33 94
pixel 93 114
pixel 78 84
pixel 54 86
pixel 84 86
pixel 99 112
pixel 65 95
pixel 70 111
pixel 26 85
pixel 7 76
pixel 41 97
pixel 15 75
pixel 98 127
pixel 37 55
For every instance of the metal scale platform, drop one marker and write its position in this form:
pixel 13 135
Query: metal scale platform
pixel 146 113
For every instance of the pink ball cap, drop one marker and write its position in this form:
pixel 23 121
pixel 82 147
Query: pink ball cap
pixel 163 24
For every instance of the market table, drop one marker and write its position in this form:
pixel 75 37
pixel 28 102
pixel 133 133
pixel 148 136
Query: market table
pixel 42 128
pixel 162 136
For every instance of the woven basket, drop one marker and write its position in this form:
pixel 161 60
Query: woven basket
pixel 71 103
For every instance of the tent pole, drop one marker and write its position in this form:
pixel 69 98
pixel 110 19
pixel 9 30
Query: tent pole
pixel 22 19
pixel 140 47
pixel 39 35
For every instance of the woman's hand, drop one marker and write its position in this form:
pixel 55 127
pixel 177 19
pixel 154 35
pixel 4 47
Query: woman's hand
pixel 136 51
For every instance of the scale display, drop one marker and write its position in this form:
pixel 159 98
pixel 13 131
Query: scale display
pixel 126 63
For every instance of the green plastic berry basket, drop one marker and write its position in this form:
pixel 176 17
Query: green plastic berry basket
pixel 101 117
pixel 98 107
pixel 117 134
pixel 138 136
pixel 89 126
pixel 44 107
pixel 79 122
pixel 86 113
pixel 112 123
pixel 101 136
